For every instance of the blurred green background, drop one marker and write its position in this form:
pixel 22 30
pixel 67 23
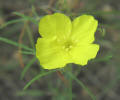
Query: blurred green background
pixel 19 22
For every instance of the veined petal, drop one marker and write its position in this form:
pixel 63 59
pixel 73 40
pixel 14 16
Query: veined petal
pixel 50 54
pixel 84 28
pixel 83 53
pixel 55 25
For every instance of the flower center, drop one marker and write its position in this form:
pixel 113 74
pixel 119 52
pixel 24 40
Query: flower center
pixel 68 46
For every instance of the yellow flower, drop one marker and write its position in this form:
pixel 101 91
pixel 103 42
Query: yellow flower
pixel 66 42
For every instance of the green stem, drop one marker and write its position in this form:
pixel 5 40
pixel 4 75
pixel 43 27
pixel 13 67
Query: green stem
pixel 70 84
pixel 30 37
pixel 69 90
pixel 82 85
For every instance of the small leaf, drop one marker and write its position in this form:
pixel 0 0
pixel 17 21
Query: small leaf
pixel 105 58
pixel 37 77
pixel 11 22
pixel 83 86
pixel 14 43
pixel 26 17
pixel 27 53
pixel 27 67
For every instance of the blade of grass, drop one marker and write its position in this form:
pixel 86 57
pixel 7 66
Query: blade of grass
pixel 34 11
pixel 69 89
pixel 14 43
pixel 30 36
pixel 27 67
pixel 83 86
pixel 105 58
pixel 26 17
pixel 11 22
pixel 37 77
pixel 27 53
pixel 70 85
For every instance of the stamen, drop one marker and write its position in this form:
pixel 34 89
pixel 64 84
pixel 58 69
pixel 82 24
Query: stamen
pixel 68 46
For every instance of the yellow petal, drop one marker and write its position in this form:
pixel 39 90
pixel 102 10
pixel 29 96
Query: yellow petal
pixel 55 25
pixel 84 28
pixel 50 54
pixel 83 53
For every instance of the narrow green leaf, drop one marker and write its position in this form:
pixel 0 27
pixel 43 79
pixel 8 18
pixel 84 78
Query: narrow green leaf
pixel 34 11
pixel 26 17
pixel 28 53
pixel 83 86
pixel 14 43
pixel 27 67
pixel 70 85
pixel 105 58
pixel 37 77
pixel 30 36
pixel 69 90
pixel 11 22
